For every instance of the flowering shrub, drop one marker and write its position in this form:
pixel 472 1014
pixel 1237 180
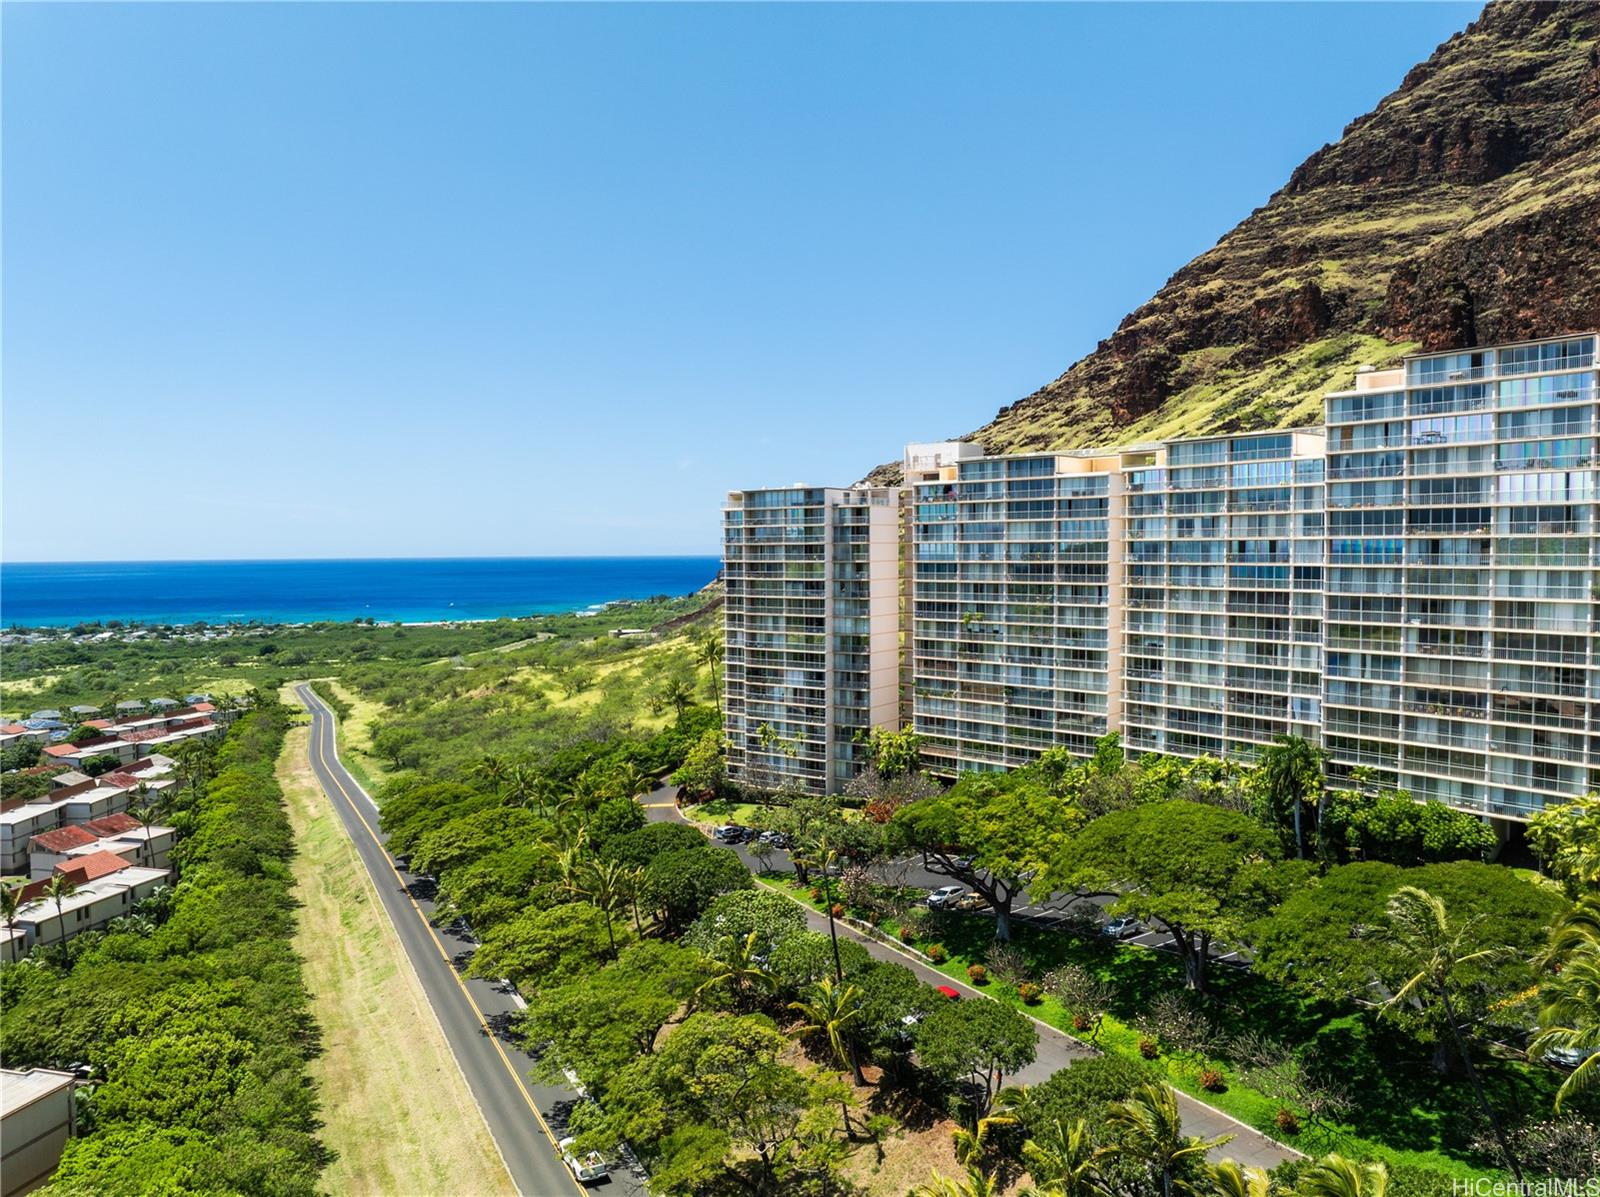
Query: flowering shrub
pixel 1148 1049
pixel 1286 1121
pixel 1080 1022
pixel 838 911
pixel 816 894
pixel 937 954
pixel 1211 1080
pixel 907 934
pixel 977 974
pixel 1028 992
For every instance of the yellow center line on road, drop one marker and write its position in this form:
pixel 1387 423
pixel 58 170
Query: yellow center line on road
pixel 483 1022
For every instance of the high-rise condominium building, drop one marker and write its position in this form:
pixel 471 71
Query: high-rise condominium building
pixel 813 631
pixel 1414 585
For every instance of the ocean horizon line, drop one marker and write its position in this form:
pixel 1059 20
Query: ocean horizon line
pixel 341 560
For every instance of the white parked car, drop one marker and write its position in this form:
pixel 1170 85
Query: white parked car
pixel 945 896
pixel 586 1168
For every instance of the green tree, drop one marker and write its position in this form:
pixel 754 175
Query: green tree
pixel 993 832
pixel 681 884
pixel 1566 838
pixel 976 1183
pixel 604 884
pixel 736 963
pixel 894 753
pixel 1438 949
pixel 835 1011
pixel 770 916
pixel 543 947
pixel 1569 1006
pixel 57 890
pixel 703 770
pixel 1308 939
pixel 1335 1176
pixel 600 1023
pixel 1202 872
pixel 1291 776
pixel 1148 1130
pixel 1064 1161
pixel 981 1039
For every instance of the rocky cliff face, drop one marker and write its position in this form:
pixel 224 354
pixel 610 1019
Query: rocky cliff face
pixel 1465 209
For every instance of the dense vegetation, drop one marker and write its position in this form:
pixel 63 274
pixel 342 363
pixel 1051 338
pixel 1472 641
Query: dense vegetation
pixel 191 1013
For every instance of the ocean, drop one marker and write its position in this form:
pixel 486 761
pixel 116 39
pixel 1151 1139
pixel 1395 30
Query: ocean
pixel 413 590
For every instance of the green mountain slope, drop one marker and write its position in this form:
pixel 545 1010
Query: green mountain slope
pixel 1465 209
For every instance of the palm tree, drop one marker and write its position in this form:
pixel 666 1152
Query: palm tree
pixel 1335 1176
pixel 523 786
pixel 1065 1161
pixel 605 885
pixel 58 889
pixel 709 649
pixel 157 904
pixel 1227 1178
pixel 10 905
pixel 824 857
pixel 976 1183
pixel 1569 1013
pixel 1149 1130
pixel 1292 771
pixel 635 881
pixel 494 770
pixel 1420 927
pixel 734 964
pixel 834 1010
pixel 679 694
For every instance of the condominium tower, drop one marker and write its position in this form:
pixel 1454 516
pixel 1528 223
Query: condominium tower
pixel 1413 584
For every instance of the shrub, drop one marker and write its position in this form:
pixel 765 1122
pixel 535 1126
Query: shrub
pixel 1148 1049
pixel 837 910
pixel 1211 1080
pixel 1287 1121
pixel 936 953
pixel 1028 992
pixel 1007 963
pixel 816 894
pixel 977 974
pixel 1081 1022
pixel 907 934
pixel 1084 1089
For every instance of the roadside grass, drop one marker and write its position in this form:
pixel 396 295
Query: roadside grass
pixel 1405 1112
pixel 355 739
pixel 396 1110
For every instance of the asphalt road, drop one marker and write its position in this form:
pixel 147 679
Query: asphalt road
pixel 1056 1049
pixel 524 1118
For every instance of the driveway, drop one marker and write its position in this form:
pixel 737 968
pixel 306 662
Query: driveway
pixel 1056 1049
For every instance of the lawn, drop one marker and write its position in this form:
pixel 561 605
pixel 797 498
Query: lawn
pixel 1405 1112
pixel 397 1112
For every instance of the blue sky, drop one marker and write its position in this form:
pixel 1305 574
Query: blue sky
pixel 413 280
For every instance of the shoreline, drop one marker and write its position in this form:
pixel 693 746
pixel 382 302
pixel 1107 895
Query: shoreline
pixel 103 625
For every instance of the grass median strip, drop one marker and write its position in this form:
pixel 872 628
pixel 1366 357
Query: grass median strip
pixel 396 1108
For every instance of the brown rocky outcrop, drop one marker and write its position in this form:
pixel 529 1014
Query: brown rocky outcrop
pixel 1464 209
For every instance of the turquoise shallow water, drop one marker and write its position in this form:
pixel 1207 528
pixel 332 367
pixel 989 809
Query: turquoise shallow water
pixel 411 589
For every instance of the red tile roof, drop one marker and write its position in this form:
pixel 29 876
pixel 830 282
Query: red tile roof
pixel 101 723
pixel 62 750
pixel 14 729
pixel 122 779
pixel 61 839
pixel 92 867
pixel 206 707
pixel 118 824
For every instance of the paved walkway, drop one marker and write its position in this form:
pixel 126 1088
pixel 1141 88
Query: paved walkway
pixel 1056 1049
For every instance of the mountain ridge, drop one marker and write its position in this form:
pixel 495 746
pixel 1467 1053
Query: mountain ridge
pixel 1464 209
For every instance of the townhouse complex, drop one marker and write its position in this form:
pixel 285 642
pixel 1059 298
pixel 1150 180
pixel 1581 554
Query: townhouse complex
pixel 1415 585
